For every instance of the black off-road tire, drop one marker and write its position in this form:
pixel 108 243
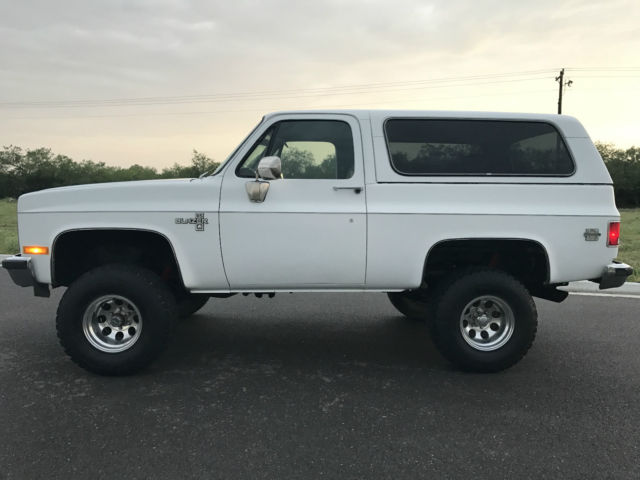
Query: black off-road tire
pixel 415 304
pixel 451 311
pixel 139 287
pixel 189 303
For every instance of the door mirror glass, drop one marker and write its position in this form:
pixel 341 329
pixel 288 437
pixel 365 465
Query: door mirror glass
pixel 270 168
pixel 257 191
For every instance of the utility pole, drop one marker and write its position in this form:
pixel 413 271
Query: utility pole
pixel 561 85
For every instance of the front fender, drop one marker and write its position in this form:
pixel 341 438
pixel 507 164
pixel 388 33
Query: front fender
pixel 196 251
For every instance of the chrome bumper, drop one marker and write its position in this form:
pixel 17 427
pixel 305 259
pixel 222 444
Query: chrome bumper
pixel 614 275
pixel 21 273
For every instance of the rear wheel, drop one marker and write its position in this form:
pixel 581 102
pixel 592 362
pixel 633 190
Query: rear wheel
pixel 485 321
pixel 115 319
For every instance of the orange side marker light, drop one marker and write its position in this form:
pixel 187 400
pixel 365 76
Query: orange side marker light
pixel 35 250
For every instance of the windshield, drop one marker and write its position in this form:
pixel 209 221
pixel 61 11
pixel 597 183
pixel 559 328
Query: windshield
pixel 228 159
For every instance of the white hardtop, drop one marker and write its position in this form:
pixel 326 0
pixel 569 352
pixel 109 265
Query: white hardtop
pixel 570 126
pixel 590 168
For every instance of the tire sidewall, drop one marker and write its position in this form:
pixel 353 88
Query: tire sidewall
pixel 139 287
pixel 458 296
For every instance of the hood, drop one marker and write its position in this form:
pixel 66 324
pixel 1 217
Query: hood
pixel 144 195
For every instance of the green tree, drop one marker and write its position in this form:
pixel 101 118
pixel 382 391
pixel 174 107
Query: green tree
pixel 624 168
pixel 24 171
pixel 200 163
pixel 296 163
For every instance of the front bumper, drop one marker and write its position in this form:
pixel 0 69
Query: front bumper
pixel 614 275
pixel 21 273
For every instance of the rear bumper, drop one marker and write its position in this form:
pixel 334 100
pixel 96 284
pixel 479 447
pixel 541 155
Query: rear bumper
pixel 21 273
pixel 614 275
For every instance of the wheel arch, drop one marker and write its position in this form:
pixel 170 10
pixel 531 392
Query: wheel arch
pixel 459 252
pixel 62 248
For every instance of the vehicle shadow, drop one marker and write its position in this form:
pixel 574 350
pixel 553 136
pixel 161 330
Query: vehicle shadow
pixel 303 337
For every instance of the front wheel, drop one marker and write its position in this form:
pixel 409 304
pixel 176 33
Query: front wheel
pixel 115 319
pixel 485 321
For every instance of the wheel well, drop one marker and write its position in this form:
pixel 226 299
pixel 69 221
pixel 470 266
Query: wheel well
pixel 526 260
pixel 76 252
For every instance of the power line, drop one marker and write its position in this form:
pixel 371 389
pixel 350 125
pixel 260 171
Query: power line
pixel 335 90
pixel 261 110
pixel 278 97
pixel 608 76
pixel 562 84
pixel 354 89
pixel 328 92
pixel 606 69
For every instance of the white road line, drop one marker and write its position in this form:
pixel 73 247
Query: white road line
pixel 615 295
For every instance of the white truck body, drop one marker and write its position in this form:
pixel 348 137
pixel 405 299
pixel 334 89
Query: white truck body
pixel 309 236
pixel 460 217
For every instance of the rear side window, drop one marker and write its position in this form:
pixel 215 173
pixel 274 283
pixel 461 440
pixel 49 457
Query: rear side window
pixel 476 147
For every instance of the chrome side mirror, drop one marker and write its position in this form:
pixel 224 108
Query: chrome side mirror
pixel 257 190
pixel 270 168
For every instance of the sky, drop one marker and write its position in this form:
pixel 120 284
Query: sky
pixel 146 82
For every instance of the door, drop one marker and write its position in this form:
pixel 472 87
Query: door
pixel 310 231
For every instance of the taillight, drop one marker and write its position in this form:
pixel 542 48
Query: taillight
pixel 613 238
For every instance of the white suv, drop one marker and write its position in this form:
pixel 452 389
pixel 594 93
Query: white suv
pixel 461 217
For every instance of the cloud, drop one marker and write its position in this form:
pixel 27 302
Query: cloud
pixel 100 44
pixel 73 50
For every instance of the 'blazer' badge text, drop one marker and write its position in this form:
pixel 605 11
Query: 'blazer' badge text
pixel 199 221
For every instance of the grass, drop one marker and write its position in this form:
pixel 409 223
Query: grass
pixel 629 250
pixel 8 226
pixel 630 241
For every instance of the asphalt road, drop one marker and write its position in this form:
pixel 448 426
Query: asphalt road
pixel 323 386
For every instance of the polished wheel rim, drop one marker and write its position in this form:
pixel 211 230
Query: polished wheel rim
pixel 487 323
pixel 112 323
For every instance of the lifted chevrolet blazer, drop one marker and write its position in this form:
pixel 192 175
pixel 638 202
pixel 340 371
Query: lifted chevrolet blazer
pixel 460 217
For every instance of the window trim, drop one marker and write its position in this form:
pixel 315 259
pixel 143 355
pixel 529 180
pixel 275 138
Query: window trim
pixel 277 124
pixel 480 175
pixel 252 148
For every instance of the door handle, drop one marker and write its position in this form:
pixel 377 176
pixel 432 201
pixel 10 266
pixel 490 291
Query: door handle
pixel 355 189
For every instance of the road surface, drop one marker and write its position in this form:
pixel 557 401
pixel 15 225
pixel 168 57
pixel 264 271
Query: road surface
pixel 323 386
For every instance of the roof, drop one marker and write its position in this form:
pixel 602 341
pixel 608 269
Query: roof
pixel 570 126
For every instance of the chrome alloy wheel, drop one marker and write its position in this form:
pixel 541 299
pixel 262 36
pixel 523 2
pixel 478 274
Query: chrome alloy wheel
pixel 112 323
pixel 487 323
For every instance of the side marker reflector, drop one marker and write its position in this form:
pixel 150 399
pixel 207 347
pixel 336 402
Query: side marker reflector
pixel 35 250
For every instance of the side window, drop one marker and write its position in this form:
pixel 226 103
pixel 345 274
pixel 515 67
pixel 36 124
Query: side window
pixel 309 160
pixel 540 154
pixel 308 149
pixel 476 147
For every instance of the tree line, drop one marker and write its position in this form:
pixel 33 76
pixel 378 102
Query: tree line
pixel 624 168
pixel 23 171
